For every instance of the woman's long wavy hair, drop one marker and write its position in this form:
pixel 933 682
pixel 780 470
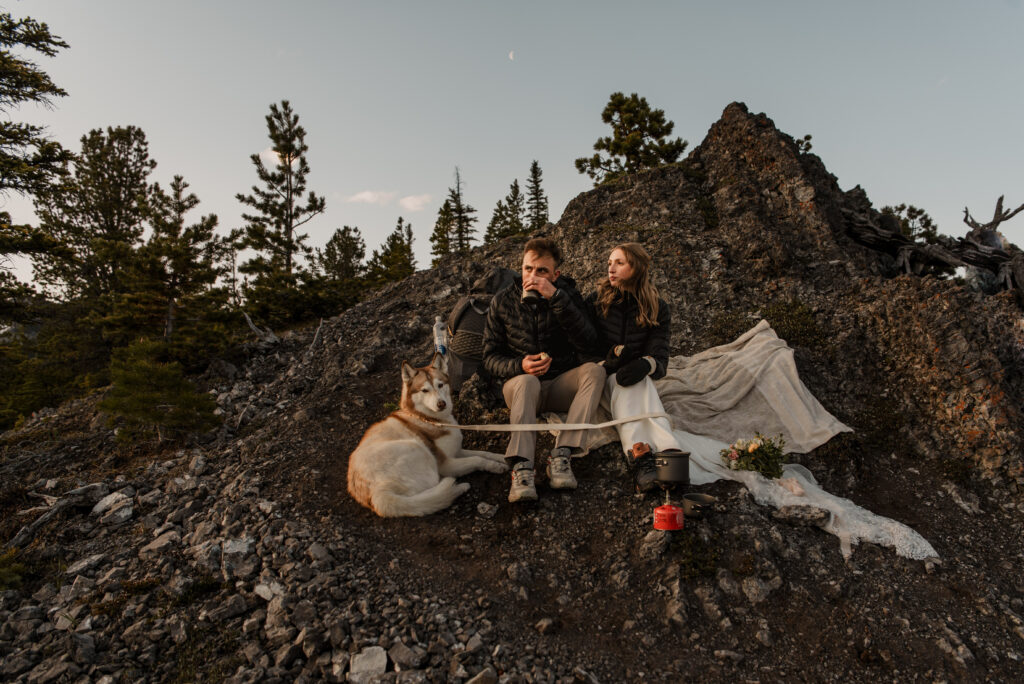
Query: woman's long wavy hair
pixel 639 285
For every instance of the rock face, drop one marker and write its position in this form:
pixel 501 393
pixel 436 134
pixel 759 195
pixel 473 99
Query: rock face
pixel 244 559
pixel 748 227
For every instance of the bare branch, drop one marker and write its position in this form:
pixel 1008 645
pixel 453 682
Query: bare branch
pixel 998 217
pixel 969 220
pixel 264 335
pixel 316 338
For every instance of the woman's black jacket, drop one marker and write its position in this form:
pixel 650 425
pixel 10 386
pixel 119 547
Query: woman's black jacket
pixel 562 326
pixel 620 327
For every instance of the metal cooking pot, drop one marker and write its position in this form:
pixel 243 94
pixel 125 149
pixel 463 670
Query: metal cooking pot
pixel 673 467
pixel 696 505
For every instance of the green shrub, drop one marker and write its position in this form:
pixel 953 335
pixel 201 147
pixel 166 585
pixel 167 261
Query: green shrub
pixel 794 322
pixel 10 570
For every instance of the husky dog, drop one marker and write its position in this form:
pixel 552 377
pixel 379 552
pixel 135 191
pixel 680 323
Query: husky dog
pixel 406 464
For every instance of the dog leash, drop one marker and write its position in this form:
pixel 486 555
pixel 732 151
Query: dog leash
pixel 543 427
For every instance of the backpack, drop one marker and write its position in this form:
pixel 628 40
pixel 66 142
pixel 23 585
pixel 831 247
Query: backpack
pixel 466 324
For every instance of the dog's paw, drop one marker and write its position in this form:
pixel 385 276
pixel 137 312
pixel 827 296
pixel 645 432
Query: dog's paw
pixel 495 467
pixel 461 488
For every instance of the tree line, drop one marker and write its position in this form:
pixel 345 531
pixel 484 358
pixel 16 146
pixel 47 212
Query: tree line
pixel 134 289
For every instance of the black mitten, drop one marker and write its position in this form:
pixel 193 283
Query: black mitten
pixel 632 372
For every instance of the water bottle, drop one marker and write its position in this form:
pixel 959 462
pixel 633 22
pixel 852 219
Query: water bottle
pixel 440 336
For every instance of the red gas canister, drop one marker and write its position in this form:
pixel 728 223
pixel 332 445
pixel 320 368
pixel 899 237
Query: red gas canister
pixel 668 517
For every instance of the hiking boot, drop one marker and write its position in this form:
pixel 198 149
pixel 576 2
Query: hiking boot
pixel 560 469
pixel 523 488
pixel 645 473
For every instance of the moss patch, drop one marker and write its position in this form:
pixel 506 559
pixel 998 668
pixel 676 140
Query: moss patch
pixel 725 327
pixel 11 570
pixel 794 322
pixel 208 655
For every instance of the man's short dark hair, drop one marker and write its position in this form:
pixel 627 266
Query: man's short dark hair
pixel 544 247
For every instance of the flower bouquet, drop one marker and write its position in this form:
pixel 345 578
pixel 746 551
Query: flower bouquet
pixel 761 453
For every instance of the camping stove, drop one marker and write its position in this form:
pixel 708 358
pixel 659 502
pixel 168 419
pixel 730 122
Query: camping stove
pixel 673 471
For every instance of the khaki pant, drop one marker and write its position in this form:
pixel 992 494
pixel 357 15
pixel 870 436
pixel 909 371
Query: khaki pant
pixel 577 391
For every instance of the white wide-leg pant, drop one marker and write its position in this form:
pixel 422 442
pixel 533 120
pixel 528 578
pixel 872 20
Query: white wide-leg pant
pixel 636 400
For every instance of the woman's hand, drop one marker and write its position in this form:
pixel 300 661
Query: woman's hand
pixel 612 361
pixel 632 372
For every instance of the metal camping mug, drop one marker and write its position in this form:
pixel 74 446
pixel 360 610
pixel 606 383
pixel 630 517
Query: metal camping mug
pixel 532 296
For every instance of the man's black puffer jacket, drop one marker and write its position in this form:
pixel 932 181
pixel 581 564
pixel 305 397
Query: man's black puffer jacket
pixel 620 327
pixel 562 326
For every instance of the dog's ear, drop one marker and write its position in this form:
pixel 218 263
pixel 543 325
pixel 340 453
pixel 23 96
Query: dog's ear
pixel 439 362
pixel 407 372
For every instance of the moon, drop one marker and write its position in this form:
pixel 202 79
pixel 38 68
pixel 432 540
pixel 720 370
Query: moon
pixel 512 56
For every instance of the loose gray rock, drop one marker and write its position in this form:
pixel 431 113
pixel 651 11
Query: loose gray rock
pixel 654 544
pixel 406 658
pixel 238 560
pixel 235 605
pixel 485 676
pixel 372 660
pixel 85 565
pixel 108 502
pixel 318 552
pixel 802 516
pixel 287 654
pixel 160 546
pixel 546 626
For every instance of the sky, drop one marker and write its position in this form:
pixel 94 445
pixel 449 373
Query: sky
pixel 917 102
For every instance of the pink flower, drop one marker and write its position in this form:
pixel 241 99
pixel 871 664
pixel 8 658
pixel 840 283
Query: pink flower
pixel 733 455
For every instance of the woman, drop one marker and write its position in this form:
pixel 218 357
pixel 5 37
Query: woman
pixel 635 323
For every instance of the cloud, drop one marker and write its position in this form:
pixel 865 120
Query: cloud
pixel 372 197
pixel 414 202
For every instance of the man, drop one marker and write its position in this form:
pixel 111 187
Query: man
pixel 537 329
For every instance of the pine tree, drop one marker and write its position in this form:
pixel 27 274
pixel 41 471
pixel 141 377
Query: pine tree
pixel 40 364
pixel 337 281
pixel 915 223
pixel 515 212
pixel 395 259
pixel 441 238
pixel 507 219
pixel 342 256
pixel 536 200
pixel 278 204
pixel 497 226
pixel 150 393
pixel 29 161
pixel 97 215
pixel 172 292
pixel 18 301
pixel 462 218
pixel 639 140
